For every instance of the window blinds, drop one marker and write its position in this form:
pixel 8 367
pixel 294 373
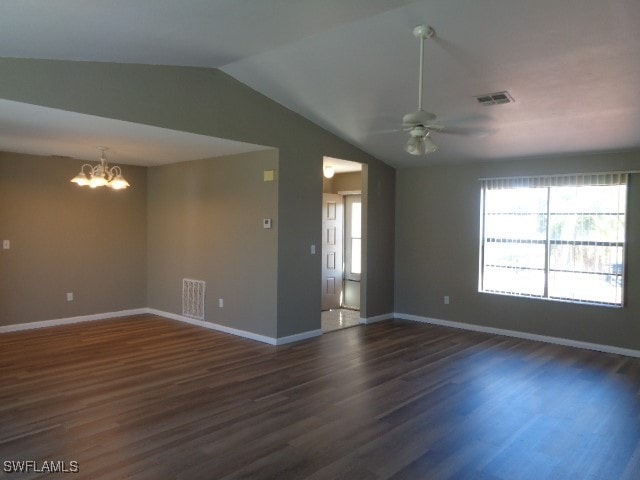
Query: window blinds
pixel 560 237
pixel 568 180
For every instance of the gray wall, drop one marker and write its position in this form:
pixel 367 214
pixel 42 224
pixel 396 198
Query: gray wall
pixel 65 238
pixel 378 220
pixel 343 182
pixel 210 102
pixel 437 254
pixel 205 222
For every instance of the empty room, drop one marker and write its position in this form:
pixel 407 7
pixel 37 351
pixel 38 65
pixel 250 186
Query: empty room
pixel 320 239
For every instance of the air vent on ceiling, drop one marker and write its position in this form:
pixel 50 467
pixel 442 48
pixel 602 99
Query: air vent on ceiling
pixel 497 98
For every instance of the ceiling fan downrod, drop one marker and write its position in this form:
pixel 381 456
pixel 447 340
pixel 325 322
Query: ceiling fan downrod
pixel 422 32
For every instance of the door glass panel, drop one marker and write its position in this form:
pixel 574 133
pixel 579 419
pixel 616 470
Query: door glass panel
pixel 356 214
pixel 356 266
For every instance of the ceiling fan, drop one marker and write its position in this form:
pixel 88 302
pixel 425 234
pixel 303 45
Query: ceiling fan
pixel 421 123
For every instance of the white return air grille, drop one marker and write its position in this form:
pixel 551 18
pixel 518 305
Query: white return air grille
pixel 193 298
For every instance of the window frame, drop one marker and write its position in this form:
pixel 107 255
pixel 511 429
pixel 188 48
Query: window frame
pixel 548 242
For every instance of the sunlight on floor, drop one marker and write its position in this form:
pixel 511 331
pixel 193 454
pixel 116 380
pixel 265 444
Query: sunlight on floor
pixel 338 318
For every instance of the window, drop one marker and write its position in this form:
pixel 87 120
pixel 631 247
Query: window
pixel 560 238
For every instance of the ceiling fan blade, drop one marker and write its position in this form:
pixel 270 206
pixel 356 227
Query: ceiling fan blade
pixel 384 131
pixel 475 118
pixel 455 126
pixel 459 130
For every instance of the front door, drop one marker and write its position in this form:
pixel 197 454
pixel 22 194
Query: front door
pixel 332 246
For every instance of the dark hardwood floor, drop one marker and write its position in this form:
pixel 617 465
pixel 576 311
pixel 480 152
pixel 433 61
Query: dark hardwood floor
pixel 149 398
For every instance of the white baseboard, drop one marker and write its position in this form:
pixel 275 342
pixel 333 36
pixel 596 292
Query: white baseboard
pixel 376 318
pixel 213 326
pixel 297 337
pixel 315 333
pixel 66 321
pixel 524 335
pixel 235 331
pixel 140 311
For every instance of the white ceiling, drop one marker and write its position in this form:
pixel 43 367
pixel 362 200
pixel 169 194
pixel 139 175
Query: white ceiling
pixel 351 65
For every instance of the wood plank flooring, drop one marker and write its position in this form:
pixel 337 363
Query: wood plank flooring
pixel 149 398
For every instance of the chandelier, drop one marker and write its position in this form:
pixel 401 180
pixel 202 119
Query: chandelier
pixel 101 175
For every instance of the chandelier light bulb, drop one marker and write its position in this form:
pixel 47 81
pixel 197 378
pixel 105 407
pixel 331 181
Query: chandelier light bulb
pixel 97 181
pixel 80 179
pixel 118 183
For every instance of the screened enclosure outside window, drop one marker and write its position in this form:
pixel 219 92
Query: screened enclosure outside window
pixel 556 237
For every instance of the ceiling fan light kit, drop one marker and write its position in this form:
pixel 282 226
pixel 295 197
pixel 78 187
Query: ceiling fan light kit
pixel 101 175
pixel 420 142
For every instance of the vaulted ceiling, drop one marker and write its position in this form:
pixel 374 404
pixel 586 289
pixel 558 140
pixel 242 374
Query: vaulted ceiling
pixel 351 66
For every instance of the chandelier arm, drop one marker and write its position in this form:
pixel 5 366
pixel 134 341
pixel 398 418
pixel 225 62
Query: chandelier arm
pixel 113 172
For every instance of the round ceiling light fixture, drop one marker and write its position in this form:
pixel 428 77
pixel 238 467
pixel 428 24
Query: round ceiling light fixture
pixel 328 171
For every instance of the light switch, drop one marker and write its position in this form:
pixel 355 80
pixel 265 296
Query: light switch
pixel 266 223
pixel 313 249
pixel 6 244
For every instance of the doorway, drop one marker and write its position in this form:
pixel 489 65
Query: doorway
pixel 341 244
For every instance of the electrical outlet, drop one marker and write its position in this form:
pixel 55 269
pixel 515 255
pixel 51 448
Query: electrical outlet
pixel 69 296
pixel 313 249
pixel 6 244
pixel 446 299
